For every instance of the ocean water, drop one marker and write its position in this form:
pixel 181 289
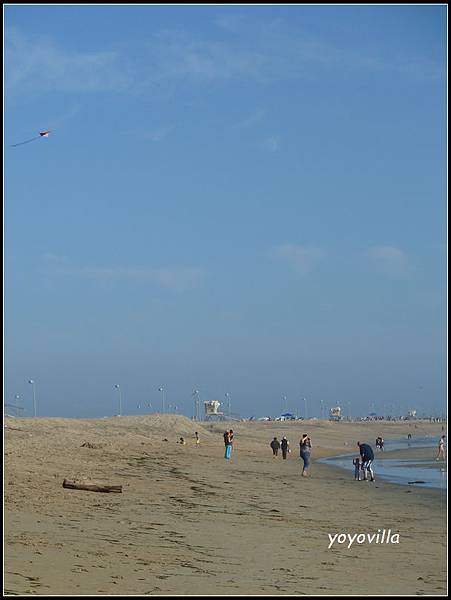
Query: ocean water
pixel 404 471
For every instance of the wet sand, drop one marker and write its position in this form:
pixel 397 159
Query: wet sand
pixel 189 522
pixel 413 454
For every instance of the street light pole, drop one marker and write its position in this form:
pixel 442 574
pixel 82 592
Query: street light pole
pixel 195 395
pixel 118 387
pixel 34 395
pixel 162 390
pixel 284 404
pixel 229 412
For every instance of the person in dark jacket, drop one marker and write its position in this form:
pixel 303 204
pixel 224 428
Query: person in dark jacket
pixel 367 454
pixel 275 445
pixel 284 445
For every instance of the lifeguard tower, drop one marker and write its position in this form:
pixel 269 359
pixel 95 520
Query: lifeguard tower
pixel 212 412
pixel 335 414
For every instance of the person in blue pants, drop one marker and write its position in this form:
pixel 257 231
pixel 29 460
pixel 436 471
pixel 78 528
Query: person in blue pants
pixel 305 452
pixel 228 444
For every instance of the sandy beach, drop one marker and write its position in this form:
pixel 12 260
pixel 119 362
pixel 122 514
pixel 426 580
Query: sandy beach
pixel 189 522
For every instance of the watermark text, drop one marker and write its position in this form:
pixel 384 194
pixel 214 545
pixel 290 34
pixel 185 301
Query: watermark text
pixel 381 537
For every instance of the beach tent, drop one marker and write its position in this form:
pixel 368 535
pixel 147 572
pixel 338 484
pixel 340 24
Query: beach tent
pixel 287 417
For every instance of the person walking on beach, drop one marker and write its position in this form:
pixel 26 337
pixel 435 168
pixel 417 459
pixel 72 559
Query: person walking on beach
pixel 196 435
pixel 357 468
pixel 285 447
pixel 305 452
pixel 275 445
pixel 367 454
pixel 441 449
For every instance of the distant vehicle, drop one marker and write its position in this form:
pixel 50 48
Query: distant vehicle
pixel 264 419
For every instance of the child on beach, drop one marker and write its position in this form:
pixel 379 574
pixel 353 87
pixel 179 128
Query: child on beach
pixel 379 443
pixel 357 468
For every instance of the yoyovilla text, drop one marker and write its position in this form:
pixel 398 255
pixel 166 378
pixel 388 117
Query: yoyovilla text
pixel 381 537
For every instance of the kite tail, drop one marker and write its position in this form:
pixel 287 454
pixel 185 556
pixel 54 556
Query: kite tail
pixel 26 142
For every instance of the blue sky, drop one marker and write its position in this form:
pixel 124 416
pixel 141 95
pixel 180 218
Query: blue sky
pixel 237 199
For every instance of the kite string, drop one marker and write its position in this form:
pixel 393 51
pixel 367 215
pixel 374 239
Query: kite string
pixel 26 142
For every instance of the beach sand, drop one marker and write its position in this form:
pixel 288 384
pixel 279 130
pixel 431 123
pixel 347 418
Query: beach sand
pixel 189 522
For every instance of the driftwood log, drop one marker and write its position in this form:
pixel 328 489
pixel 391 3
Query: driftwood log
pixel 90 445
pixel 91 487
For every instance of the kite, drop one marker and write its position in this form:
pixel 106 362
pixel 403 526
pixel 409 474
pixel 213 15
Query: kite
pixel 41 134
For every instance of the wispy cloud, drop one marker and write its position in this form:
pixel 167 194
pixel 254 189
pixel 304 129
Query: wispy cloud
pixel 158 134
pixel 178 55
pixel 36 64
pixel 154 135
pixel 231 22
pixel 292 48
pixel 271 144
pixel 254 117
pixel 177 279
pixel 390 260
pixel 302 259
pixel 420 69
pixel 252 50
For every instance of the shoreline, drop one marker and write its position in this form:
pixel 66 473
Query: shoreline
pixel 424 454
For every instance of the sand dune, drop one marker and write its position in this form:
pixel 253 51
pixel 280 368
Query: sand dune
pixel 189 522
